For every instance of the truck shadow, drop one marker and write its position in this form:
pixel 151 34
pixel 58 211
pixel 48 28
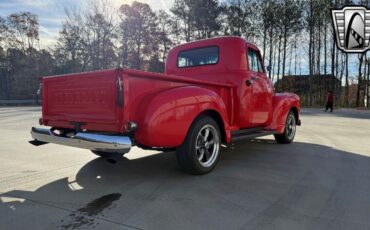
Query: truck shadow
pixel 256 184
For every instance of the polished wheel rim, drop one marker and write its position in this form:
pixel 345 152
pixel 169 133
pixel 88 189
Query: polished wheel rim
pixel 207 145
pixel 290 127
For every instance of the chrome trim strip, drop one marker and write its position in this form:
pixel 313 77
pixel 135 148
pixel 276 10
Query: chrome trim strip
pixel 91 141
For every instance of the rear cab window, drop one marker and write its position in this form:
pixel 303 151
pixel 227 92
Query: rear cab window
pixel 198 57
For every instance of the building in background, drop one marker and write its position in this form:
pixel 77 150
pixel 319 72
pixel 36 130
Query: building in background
pixel 300 85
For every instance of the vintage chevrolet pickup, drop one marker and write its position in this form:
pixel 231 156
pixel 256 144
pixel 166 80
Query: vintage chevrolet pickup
pixel 213 92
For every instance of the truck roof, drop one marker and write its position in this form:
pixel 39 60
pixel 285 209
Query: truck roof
pixel 215 40
pixel 232 51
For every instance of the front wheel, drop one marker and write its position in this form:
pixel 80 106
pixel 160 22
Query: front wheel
pixel 201 149
pixel 288 135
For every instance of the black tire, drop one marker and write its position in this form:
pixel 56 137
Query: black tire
pixel 200 151
pixel 288 135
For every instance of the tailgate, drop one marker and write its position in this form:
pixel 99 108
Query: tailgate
pixel 86 98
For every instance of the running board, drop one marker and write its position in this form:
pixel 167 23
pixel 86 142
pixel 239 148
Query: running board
pixel 246 134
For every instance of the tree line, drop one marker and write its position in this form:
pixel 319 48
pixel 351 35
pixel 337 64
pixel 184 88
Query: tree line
pixel 294 36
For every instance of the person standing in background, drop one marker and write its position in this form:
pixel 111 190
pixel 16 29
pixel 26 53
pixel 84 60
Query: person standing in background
pixel 329 101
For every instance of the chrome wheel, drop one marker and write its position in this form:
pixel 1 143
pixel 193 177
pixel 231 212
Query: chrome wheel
pixel 290 127
pixel 207 145
pixel 201 148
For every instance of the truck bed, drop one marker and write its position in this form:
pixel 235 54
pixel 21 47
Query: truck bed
pixel 105 100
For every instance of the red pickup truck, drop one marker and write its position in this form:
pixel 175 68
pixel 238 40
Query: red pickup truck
pixel 213 91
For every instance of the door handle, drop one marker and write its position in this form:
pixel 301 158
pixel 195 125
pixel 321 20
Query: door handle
pixel 249 82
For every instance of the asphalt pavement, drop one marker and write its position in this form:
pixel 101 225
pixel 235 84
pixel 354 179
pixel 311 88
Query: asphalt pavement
pixel 321 181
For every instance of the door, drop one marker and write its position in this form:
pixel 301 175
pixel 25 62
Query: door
pixel 261 87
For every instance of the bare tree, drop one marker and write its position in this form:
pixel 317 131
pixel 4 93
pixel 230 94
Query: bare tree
pixel 26 27
pixel 183 12
pixel 140 25
pixel 165 24
pixel 291 21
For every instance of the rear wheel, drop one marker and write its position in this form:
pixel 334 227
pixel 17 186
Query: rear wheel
pixel 288 135
pixel 201 149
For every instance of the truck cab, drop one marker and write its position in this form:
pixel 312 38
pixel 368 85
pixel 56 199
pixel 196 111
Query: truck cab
pixel 213 91
pixel 238 63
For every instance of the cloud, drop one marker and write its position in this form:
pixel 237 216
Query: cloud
pixel 8 6
pixel 47 32
pixel 166 5
pixel 154 4
pixel 52 12
pixel 34 3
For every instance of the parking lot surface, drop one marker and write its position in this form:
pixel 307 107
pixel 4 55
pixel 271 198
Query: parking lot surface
pixel 321 181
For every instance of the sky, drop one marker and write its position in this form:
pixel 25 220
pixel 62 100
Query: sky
pixel 52 12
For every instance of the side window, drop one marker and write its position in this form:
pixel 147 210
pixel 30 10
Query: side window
pixel 254 61
pixel 260 66
pixel 253 66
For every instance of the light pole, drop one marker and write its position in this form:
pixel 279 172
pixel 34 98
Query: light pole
pixel 367 78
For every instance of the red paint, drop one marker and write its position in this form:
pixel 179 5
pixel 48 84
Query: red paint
pixel 165 105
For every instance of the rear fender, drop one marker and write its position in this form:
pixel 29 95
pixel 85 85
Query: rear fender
pixel 168 115
pixel 282 103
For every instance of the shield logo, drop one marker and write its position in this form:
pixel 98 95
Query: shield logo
pixel 352 28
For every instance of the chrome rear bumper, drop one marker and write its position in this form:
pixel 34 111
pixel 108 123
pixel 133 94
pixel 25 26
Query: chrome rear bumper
pixel 84 140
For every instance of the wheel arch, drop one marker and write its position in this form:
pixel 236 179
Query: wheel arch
pixel 218 119
pixel 168 116
pixel 283 103
pixel 296 113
